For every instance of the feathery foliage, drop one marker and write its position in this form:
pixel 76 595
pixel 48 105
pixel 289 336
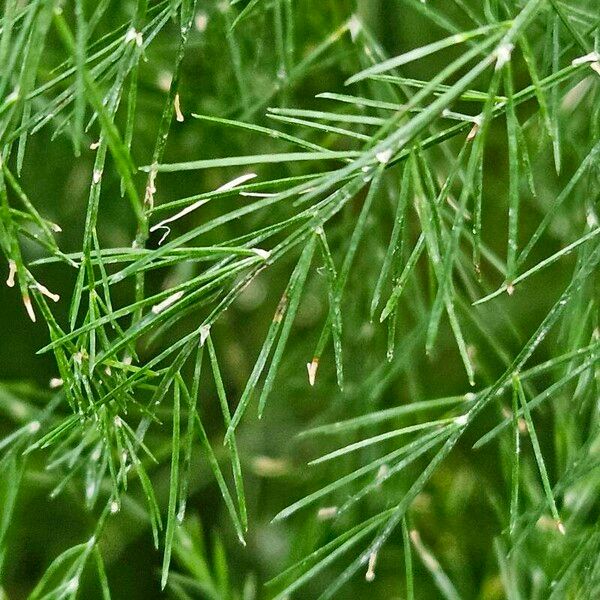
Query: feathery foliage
pixel 199 198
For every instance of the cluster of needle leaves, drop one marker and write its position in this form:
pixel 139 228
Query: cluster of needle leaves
pixel 404 268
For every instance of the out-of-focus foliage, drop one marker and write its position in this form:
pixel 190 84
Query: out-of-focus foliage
pixel 374 223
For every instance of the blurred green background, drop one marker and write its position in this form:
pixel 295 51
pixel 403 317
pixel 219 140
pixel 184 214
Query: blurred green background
pixel 461 512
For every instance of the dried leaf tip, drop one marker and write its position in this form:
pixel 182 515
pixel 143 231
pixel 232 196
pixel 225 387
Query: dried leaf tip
pixel 55 382
pixel 235 182
pixel 370 574
pixel 158 308
pixel 327 512
pixel 46 292
pixel 503 54
pixel 593 58
pixel 151 187
pixel 312 367
pixel 192 207
pixel 384 156
pixel 473 132
pixel 461 420
pixel 134 36
pixel 264 254
pixel 204 333
pixel 588 58
pixel 29 307
pixel 177 106
pixel 354 27
pixel 561 527
pixel 12 271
